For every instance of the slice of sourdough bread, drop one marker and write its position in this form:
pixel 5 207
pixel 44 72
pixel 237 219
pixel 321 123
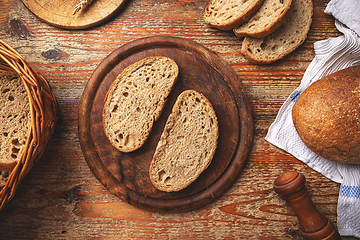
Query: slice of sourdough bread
pixel 227 15
pixel 15 120
pixel 135 101
pixel 269 17
pixel 284 39
pixel 187 144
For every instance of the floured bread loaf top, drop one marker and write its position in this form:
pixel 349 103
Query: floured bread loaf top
pixel 136 99
pixel 15 120
pixel 187 145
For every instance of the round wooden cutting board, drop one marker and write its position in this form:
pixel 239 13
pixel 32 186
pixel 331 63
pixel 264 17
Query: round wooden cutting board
pixel 59 13
pixel 127 174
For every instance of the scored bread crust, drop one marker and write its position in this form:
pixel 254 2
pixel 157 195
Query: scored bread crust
pixel 284 40
pixel 135 101
pixel 187 144
pixel 269 17
pixel 15 120
pixel 227 15
pixel 326 116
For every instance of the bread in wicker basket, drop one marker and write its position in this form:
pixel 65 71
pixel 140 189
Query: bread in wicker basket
pixel 15 120
pixel 32 122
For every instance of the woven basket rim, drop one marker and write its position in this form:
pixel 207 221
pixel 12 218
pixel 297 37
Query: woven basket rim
pixel 44 115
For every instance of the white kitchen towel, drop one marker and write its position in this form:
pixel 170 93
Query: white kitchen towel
pixel 331 55
pixel 347 12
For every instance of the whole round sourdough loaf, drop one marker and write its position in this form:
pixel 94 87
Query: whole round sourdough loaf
pixel 327 116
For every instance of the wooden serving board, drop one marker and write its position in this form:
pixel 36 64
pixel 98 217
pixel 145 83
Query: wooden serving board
pixel 59 13
pixel 127 174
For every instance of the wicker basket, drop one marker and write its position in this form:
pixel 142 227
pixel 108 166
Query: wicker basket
pixel 44 114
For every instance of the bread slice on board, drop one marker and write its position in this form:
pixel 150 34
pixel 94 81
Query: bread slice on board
pixel 284 39
pixel 135 101
pixel 15 120
pixel 187 145
pixel 268 18
pixel 227 15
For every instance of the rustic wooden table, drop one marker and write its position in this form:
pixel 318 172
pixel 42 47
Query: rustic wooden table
pixel 61 198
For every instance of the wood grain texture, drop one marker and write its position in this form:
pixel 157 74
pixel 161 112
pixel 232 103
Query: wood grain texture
pixel 61 198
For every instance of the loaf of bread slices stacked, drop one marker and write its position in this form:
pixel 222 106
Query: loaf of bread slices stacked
pixel 270 29
pixel 135 101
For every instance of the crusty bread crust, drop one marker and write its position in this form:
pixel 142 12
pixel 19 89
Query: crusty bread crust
pixel 15 120
pixel 135 101
pixel 227 15
pixel 187 145
pixel 269 17
pixel 284 39
pixel 327 116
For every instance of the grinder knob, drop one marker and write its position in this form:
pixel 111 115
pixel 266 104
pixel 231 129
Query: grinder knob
pixel 313 225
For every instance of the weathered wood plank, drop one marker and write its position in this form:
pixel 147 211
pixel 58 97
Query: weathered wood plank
pixel 61 199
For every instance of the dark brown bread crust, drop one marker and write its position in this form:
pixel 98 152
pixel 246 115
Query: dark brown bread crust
pixel 327 116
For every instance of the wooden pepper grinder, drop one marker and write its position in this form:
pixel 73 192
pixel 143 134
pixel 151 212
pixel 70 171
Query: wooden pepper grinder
pixel 313 225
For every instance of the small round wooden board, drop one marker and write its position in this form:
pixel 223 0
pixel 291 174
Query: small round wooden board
pixel 127 174
pixel 59 13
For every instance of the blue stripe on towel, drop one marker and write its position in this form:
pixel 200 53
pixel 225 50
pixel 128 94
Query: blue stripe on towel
pixel 350 191
pixel 295 95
